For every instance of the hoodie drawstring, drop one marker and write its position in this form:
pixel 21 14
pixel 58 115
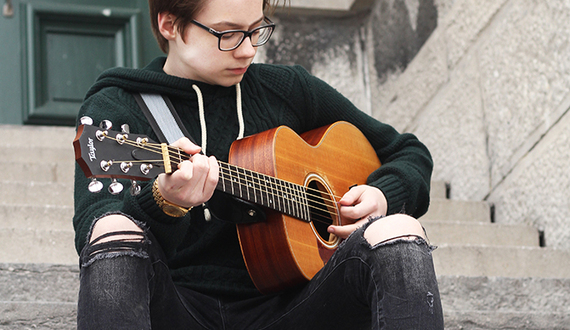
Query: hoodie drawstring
pixel 203 128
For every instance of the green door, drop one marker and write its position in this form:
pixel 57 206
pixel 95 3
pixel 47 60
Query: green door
pixel 51 52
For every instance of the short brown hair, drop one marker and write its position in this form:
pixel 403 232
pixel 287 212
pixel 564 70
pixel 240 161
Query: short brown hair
pixel 183 10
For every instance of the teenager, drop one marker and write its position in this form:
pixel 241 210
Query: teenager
pixel 156 260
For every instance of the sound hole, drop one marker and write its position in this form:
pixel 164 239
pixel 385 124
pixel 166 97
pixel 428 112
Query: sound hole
pixel 323 213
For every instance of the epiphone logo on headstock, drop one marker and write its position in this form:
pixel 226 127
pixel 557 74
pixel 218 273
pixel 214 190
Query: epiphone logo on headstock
pixel 92 149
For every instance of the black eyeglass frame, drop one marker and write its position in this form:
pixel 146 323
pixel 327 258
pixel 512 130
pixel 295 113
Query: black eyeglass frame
pixel 246 34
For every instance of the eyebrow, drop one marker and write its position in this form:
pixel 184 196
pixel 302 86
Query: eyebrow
pixel 232 25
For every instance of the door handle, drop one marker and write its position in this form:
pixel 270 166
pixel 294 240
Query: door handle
pixel 8 9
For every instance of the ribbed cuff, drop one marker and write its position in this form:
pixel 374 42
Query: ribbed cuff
pixel 395 194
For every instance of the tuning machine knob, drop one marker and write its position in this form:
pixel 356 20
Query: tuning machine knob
pixel 125 128
pixel 95 186
pixel 115 187
pixel 106 124
pixel 135 188
pixel 85 120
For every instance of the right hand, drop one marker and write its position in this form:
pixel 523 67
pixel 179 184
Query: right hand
pixel 195 180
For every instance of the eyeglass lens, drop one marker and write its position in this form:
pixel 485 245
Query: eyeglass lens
pixel 231 40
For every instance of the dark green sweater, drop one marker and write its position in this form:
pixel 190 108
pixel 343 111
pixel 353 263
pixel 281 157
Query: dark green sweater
pixel 205 255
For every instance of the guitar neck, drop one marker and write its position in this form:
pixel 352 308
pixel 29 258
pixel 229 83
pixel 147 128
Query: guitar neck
pixel 121 153
pixel 282 196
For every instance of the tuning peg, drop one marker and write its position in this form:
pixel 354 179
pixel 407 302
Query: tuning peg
pixel 145 168
pixel 106 165
pixel 95 186
pixel 106 124
pixel 85 120
pixel 141 142
pixel 115 187
pixel 126 166
pixel 121 138
pixel 125 129
pixel 135 188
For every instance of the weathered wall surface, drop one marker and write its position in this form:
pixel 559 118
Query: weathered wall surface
pixel 353 50
pixel 489 94
pixel 485 84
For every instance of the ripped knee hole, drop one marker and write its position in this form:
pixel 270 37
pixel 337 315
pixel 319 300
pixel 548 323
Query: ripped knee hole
pixel 394 227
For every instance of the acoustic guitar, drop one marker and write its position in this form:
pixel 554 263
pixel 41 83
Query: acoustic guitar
pixel 297 179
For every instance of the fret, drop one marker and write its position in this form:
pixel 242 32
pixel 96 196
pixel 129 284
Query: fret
pixel 222 177
pixel 289 198
pixel 243 183
pixel 256 187
pixel 232 182
pixel 278 195
pixel 303 204
pixel 294 200
pixel 269 193
pixel 237 182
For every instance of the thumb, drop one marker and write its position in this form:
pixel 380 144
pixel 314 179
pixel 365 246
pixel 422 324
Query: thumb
pixel 352 196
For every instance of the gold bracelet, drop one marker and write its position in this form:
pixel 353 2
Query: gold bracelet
pixel 168 208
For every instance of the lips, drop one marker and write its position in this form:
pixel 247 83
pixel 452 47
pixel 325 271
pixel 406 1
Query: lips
pixel 238 71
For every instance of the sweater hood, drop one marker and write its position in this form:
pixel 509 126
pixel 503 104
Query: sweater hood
pixel 152 79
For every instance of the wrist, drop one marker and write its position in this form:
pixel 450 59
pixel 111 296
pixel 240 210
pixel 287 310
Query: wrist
pixel 167 207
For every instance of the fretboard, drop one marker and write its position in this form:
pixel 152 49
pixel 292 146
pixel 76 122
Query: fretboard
pixel 282 196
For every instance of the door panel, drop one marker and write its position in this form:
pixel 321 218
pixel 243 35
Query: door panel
pixel 64 46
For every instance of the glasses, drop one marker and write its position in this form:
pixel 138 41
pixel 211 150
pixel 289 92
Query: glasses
pixel 232 39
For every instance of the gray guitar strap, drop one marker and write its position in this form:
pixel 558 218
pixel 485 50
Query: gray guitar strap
pixel 162 117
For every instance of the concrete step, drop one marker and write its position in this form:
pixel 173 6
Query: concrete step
pixel 36 216
pixel 479 233
pixel 38 296
pixel 505 303
pixel 37 136
pixel 505 294
pixel 36 193
pixel 37 246
pixel 455 210
pixel 26 282
pixel 38 316
pixel 38 154
pixel 492 320
pixel 505 261
pixel 37 172
pixel 438 189
pixel 468 302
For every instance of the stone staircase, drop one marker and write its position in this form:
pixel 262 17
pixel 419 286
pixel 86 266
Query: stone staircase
pixel 491 276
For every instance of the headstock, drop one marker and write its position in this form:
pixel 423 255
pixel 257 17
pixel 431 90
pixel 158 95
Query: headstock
pixel 104 153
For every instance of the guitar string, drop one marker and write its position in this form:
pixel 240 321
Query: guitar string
pixel 181 157
pixel 278 187
pixel 157 148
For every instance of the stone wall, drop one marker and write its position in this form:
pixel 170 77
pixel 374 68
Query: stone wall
pixel 490 99
pixel 354 45
pixel 483 83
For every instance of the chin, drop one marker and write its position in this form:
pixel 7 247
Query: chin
pixel 230 81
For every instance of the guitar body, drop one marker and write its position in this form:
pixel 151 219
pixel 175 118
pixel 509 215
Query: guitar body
pixel 284 251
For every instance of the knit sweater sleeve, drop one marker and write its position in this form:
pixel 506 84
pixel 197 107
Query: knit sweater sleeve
pixel 119 107
pixel 405 174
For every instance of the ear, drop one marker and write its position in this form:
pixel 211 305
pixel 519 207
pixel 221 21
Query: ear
pixel 166 25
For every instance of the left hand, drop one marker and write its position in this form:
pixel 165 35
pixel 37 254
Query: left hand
pixel 358 204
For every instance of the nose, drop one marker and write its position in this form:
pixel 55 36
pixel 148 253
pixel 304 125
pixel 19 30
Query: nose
pixel 246 49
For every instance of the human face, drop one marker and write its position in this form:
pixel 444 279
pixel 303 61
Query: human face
pixel 197 57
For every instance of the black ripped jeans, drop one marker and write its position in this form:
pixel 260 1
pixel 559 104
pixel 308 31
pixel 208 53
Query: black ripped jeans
pixel 127 285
